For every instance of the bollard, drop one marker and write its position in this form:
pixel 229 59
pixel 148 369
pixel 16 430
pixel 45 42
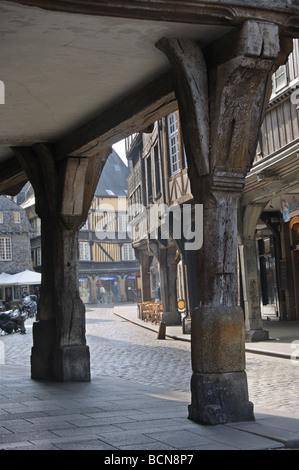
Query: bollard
pixel 162 330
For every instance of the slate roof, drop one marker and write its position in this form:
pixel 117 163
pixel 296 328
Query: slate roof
pixel 8 225
pixel 113 180
pixel 7 204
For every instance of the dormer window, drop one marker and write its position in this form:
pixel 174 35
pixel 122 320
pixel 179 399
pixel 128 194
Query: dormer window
pixel 17 217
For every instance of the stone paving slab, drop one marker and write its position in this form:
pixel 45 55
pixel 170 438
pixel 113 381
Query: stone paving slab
pixel 112 414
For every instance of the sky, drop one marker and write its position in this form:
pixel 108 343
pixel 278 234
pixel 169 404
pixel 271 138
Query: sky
pixel 119 147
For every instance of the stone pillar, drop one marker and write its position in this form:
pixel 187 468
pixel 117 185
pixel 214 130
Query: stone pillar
pixel 222 95
pixel 250 276
pixel 63 192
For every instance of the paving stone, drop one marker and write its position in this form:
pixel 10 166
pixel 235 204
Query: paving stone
pixel 93 444
pixel 122 438
pixel 181 439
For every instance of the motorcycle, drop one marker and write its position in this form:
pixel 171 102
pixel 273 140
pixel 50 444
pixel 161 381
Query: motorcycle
pixel 13 320
pixel 6 324
pixel 18 318
pixel 30 305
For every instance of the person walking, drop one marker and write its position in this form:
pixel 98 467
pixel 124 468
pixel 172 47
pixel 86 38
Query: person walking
pixel 102 295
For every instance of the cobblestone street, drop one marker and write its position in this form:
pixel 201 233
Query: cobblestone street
pixel 121 349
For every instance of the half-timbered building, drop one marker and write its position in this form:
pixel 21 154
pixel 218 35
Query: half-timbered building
pixel 269 209
pixel 157 186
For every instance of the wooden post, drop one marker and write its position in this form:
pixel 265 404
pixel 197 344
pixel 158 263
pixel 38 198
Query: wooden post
pixel 145 262
pixel 63 192
pixel 249 273
pixel 162 330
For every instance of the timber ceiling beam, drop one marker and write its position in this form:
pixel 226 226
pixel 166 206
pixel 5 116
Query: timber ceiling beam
pixel 228 12
pixel 133 114
pixel 12 176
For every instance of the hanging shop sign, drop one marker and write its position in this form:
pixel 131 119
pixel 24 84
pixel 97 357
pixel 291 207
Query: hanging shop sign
pixel 289 209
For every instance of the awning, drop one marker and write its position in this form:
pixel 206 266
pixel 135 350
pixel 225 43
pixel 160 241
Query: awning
pixel 23 278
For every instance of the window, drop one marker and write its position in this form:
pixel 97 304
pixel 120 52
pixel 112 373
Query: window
pixel 105 221
pixel 84 251
pixel 157 171
pixel 122 222
pixel 38 227
pixel 5 249
pixel 149 180
pixel 127 252
pixel 173 144
pixel 17 217
pixel 38 256
pixel 111 193
pixel 280 78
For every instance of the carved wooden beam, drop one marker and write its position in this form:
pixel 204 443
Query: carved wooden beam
pixel 63 188
pixel 192 92
pixel 240 84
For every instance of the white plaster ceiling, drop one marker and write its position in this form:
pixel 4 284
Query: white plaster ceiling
pixel 60 70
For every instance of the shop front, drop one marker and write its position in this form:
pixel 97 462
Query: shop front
pixel 294 243
pixel 268 278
